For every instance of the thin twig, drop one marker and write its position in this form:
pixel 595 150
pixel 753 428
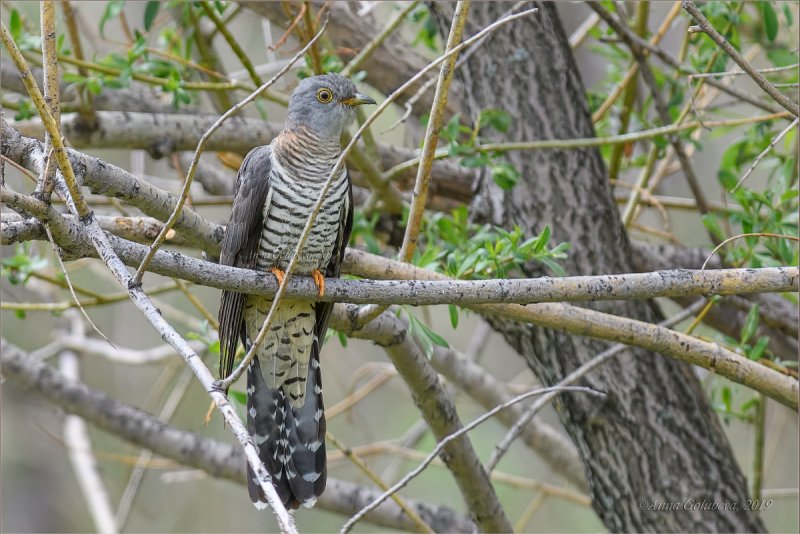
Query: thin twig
pixel 44 185
pixel 201 145
pixel 757 77
pixel 755 234
pixel 580 34
pixel 439 446
pixel 623 139
pixel 86 108
pixel 740 72
pixel 515 431
pixel 244 59
pixel 435 121
pixel 71 289
pixel 628 100
pixel 358 462
pixel 378 40
pixel 289 30
pixel 79 447
pixel 763 153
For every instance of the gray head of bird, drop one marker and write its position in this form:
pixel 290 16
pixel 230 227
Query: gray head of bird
pixel 325 104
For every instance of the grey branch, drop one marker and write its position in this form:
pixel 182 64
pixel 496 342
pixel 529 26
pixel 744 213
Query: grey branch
pixel 218 459
pixel 443 444
pixel 106 179
pixel 676 282
pixel 554 448
pixel 163 133
pixel 16 229
pixel 558 316
pixel 439 412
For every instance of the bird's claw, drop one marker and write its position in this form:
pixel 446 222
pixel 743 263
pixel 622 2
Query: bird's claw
pixel 319 280
pixel 280 275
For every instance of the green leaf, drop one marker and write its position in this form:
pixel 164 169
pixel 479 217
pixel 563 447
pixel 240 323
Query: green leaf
pixel 787 12
pixel 94 85
pixel 477 160
pixel 780 57
pixel 238 396
pixel 433 336
pixel 726 398
pixel 758 350
pixel 15 25
pixel 342 338
pixel 498 119
pixel 453 315
pixel 711 222
pixel 750 324
pixel 112 10
pixel 20 314
pixel 150 12
pixel 770 20
pixel 727 178
pixel 505 175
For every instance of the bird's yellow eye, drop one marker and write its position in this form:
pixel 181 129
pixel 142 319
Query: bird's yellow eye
pixel 324 95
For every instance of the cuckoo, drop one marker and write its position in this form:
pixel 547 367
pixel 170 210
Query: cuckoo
pixel 276 189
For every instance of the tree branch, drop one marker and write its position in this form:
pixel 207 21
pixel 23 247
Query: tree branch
pixel 557 316
pixel 555 449
pixel 439 412
pixel 106 179
pixel 218 459
pixel 433 288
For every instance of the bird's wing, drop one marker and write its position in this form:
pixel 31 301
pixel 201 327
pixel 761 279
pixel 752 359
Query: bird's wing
pixel 240 246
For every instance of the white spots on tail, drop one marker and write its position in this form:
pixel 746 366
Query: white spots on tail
pixel 311 477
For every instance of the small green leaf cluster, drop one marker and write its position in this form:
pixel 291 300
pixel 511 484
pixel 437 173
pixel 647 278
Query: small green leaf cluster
pixel 460 249
pixel 753 349
pixel 364 231
pixel 18 268
pixel 26 41
pixel 428 33
pixel 211 342
pixel 774 209
pixel 463 142
pixel 428 339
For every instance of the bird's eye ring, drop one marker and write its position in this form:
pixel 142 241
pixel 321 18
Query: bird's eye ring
pixel 324 95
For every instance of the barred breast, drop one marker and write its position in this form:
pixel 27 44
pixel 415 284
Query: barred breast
pixel 289 204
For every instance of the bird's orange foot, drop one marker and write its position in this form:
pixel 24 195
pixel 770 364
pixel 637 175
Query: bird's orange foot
pixel 319 279
pixel 280 275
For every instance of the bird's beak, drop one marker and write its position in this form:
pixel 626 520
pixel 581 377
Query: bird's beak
pixel 359 99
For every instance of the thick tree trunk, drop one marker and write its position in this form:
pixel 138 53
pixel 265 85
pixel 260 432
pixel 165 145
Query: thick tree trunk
pixel 655 440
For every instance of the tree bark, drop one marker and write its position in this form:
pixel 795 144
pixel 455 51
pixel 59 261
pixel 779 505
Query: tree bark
pixel 655 440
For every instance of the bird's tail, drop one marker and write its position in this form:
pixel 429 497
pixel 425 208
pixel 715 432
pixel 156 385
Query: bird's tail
pixel 290 440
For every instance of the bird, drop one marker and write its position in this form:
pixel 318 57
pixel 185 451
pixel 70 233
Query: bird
pixel 276 189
